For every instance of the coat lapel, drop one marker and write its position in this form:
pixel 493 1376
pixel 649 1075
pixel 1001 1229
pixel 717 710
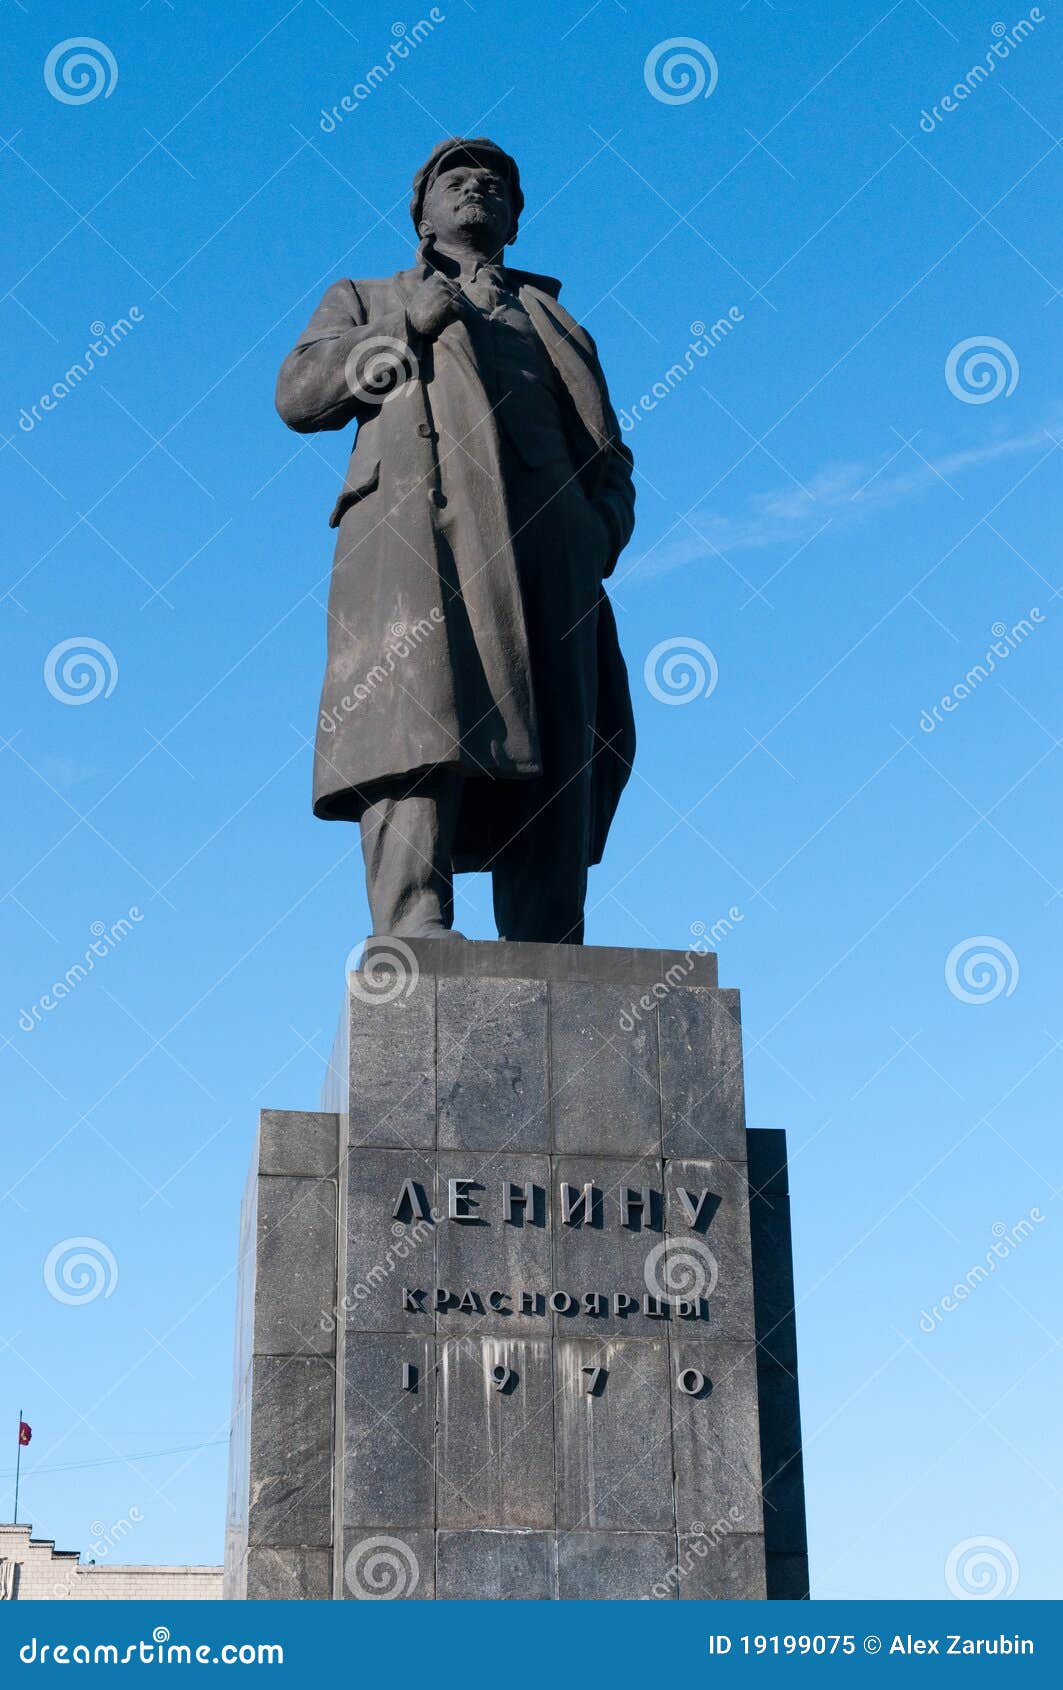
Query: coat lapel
pixel 573 356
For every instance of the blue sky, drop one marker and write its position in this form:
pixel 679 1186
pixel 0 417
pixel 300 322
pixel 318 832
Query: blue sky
pixel 847 530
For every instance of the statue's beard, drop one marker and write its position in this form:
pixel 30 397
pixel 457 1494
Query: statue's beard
pixel 475 218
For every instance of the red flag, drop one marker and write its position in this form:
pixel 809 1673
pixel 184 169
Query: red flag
pixel 25 1433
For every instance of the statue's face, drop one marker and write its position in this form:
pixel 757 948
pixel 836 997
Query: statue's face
pixel 469 202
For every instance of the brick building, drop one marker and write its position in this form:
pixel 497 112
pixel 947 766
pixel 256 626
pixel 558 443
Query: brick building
pixel 31 1568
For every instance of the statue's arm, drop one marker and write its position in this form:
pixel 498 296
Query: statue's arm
pixel 614 494
pixel 615 497
pixel 312 388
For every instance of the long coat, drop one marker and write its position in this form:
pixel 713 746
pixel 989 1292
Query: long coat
pixel 428 658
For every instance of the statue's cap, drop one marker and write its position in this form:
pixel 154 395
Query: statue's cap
pixel 458 149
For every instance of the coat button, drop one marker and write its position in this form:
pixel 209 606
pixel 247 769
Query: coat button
pixel 437 497
pixel 426 431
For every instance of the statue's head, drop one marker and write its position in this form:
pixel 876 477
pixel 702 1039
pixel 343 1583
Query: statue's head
pixel 468 193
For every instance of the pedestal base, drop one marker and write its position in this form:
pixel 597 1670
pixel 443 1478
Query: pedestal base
pixel 517 1308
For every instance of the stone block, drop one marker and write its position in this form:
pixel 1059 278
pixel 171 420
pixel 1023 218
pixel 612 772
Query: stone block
pixel 710 1258
pixel 495 1566
pixel 488 1251
pixel 492 1090
pixel 616 1566
pixel 773 1278
pixel 389 1415
pixel 296 1141
pixel 389 1244
pixel 786 1577
pixel 636 967
pixel 296 1266
pixel 715 1437
pixel 291 1451
pixel 766 1156
pixel 600 1255
pixel 291 1574
pixel 614 1445
pixel 605 1080
pixel 392 1092
pixel 384 1566
pixel 780 1449
pixel 495 1443
pixel 702 1088
pixel 730 1569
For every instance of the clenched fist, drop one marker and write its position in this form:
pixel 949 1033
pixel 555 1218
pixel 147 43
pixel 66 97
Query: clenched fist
pixel 435 303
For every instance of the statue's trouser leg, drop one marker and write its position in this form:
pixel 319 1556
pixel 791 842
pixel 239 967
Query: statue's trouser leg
pixel 540 877
pixel 539 887
pixel 407 836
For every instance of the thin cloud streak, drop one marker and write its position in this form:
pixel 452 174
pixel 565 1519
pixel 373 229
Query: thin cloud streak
pixel 841 493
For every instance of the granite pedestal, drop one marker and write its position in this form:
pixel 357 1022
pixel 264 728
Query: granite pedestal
pixel 516 1305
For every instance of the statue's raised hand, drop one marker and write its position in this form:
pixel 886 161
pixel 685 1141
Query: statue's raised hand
pixel 435 303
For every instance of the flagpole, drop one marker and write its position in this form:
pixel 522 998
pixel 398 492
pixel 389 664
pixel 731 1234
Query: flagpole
pixel 18 1464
